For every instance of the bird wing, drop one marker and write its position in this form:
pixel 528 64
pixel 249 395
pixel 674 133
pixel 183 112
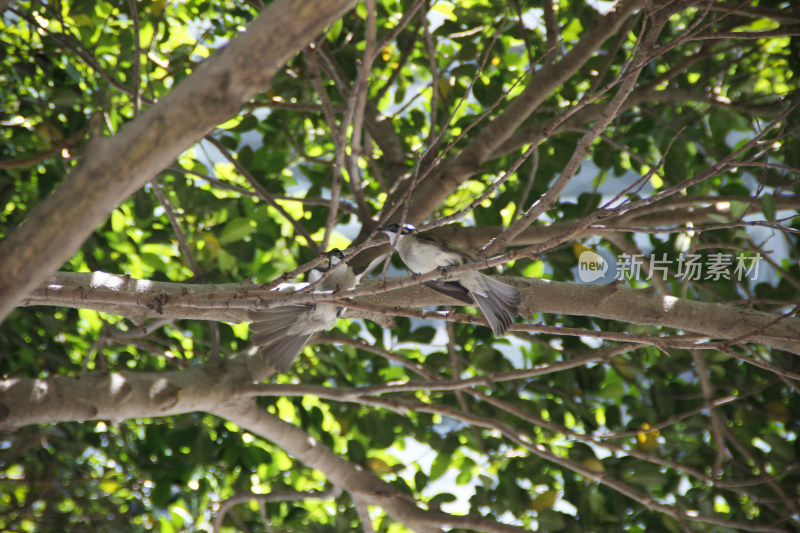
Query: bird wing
pixel 497 301
pixel 453 289
pixel 281 352
pixel 269 331
pixel 270 324
pixel 436 241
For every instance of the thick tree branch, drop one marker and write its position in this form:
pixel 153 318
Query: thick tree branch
pixel 533 133
pixel 235 302
pixel 344 474
pixel 114 168
pixel 549 198
pixel 119 395
pixel 219 389
pixel 431 191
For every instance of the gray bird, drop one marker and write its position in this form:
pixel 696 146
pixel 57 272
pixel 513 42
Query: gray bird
pixel 282 332
pixel 423 253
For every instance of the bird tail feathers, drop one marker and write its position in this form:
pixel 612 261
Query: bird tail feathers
pixel 269 332
pixel 499 304
pixel 281 353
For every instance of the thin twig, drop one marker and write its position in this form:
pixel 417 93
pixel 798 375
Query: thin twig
pixel 549 198
pixel 183 243
pixel 137 59
pixel 717 430
pixel 262 193
pixel 338 140
pixel 358 100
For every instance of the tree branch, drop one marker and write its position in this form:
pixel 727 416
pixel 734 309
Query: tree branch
pixel 440 184
pixel 140 299
pixel 363 485
pixel 114 168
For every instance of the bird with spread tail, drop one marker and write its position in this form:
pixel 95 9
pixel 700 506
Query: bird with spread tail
pixel 282 332
pixel 422 253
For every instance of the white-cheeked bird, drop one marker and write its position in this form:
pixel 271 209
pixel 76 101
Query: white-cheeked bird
pixel 282 332
pixel 423 253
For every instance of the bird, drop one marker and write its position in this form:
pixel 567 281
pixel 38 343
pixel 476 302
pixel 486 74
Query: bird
pixel 282 332
pixel 424 253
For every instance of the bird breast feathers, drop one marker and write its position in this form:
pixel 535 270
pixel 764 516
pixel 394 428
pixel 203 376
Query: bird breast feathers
pixel 319 317
pixel 422 256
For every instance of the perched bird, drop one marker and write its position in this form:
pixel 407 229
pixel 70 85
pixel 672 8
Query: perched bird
pixel 282 332
pixel 424 253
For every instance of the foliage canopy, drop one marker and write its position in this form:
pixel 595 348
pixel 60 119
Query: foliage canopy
pixel 650 130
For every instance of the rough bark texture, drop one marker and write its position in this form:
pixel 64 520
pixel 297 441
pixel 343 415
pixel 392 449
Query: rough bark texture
pixel 431 191
pixel 118 395
pixel 219 388
pixel 140 299
pixel 113 168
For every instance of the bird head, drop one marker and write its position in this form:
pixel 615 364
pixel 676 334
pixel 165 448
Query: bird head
pixel 397 229
pixel 335 257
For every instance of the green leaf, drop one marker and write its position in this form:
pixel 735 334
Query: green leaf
pixel 612 391
pixel 356 452
pixel 738 209
pixel 442 497
pixel 768 206
pixel 335 30
pixel 420 480
pixel 236 230
pixel 550 520
pixel 117 221
pixel 422 335
pixel 440 465
pixel 466 473
pixel 73 73
pixel 161 494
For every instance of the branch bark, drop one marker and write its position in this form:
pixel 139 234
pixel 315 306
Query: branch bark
pixel 432 190
pixel 141 299
pixel 219 389
pixel 118 395
pixel 115 167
